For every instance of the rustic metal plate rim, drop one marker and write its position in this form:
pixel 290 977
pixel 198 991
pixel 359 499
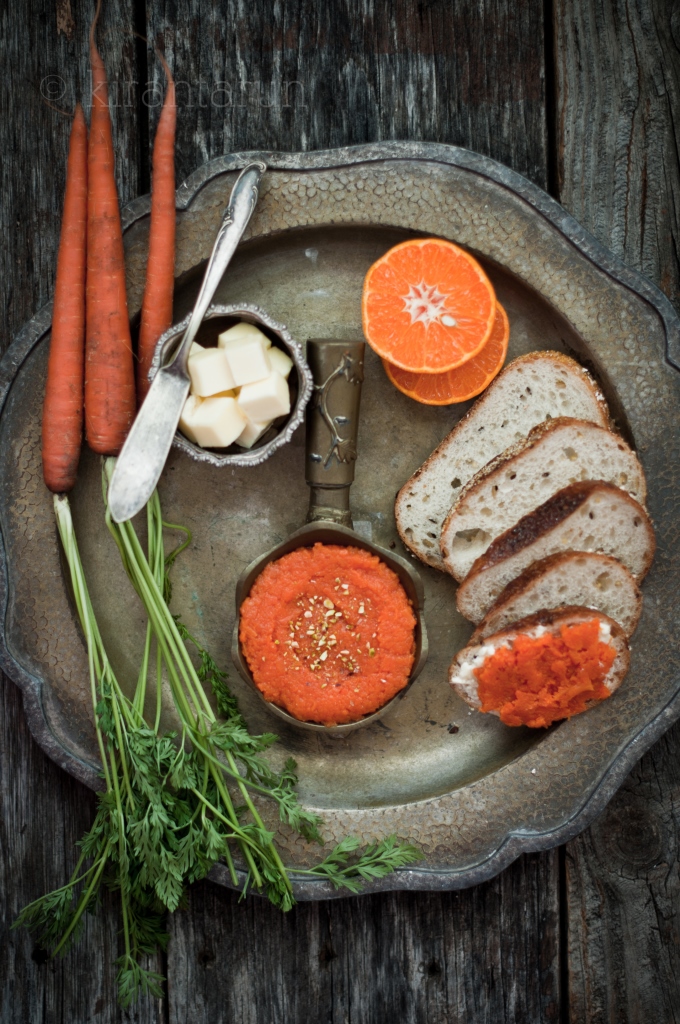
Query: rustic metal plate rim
pixel 516 841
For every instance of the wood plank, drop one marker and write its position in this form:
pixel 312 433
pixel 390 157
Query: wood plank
pixel 618 96
pixel 43 812
pixel 366 72
pixel 312 74
pixel 618 122
pixel 487 955
pixel 45 73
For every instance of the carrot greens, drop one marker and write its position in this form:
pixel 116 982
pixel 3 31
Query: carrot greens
pixel 176 803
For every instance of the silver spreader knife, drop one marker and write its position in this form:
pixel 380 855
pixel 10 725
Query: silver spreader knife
pixel 145 451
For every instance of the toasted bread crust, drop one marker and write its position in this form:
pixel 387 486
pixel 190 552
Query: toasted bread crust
pixel 549 515
pixel 477 410
pixel 538 569
pixel 548 617
pixel 513 453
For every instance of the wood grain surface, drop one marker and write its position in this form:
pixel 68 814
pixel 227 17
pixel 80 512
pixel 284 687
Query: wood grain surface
pixel 618 95
pixel 579 96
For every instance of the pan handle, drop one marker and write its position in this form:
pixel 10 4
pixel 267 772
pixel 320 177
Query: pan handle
pixel 332 427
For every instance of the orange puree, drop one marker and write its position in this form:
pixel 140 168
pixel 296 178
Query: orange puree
pixel 327 633
pixel 539 680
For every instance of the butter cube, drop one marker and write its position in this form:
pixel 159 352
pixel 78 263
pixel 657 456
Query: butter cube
pixel 265 399
pixel 195 348
pixel 251 433
pixel 242 332
pixel 186 419
pixel 217 422
pixel 248 361
pixel 281 362
pixel 209 372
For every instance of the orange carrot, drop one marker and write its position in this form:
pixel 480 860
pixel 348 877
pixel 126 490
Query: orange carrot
pixel 62 425
pixel 109 370
pixel 160 268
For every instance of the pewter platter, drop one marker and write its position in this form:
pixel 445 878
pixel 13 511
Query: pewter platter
pixel 473 793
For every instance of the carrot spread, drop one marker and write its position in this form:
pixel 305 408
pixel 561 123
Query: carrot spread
pixel 542 679
pixel 328 633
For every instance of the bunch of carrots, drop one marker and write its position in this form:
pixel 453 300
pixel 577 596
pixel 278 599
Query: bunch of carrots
pixel 91 369
pixel 172 806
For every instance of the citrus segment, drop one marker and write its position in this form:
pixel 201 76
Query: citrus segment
pixel 467 381
pixel 427 306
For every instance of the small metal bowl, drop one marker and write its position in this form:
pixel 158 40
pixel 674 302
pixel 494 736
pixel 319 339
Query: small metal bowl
pixel 333 533
pixel 337 369
pixel 299 382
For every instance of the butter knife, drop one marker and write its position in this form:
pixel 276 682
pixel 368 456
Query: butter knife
pixel 146 448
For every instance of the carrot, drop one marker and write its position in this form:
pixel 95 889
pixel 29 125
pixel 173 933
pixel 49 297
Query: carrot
pixel 160 267
pixel 62 424
pixel 109 370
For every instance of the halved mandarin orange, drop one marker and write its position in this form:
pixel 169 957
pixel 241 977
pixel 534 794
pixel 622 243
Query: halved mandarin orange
pixel 467 381
pixel 427 306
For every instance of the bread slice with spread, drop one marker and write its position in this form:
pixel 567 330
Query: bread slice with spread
pixel 531 389
pixel 556 453
pixel 586 516
pixel 580 578
pixel 544 668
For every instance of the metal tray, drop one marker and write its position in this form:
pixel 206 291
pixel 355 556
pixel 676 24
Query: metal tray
pixel 473 793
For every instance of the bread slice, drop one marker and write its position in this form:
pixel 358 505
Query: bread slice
pixel 529 390
pixel 570 578
pixel 554 455
pixel 472 657
pixel 588 516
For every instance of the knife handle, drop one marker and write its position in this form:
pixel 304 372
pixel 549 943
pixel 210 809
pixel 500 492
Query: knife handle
pixel 234 222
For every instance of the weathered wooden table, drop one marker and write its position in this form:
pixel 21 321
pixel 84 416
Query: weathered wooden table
pixel 583 97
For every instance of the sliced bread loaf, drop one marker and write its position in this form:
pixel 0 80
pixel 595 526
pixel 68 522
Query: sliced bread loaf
pixel 529 390
pixel 555 454
pixel 570 578
pixel 588 516
pixel 534 708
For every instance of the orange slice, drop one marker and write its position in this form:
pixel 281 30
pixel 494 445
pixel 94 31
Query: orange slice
pixel 468 380
pixel 427 306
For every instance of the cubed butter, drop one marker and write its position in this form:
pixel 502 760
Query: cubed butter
pixel 217 422
pixel 248 361
pixel 252 432
pixel 186 419
pixel 242 332
pixel 265 399
pixel 281 362
pixel 195 348
pixel 209 372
